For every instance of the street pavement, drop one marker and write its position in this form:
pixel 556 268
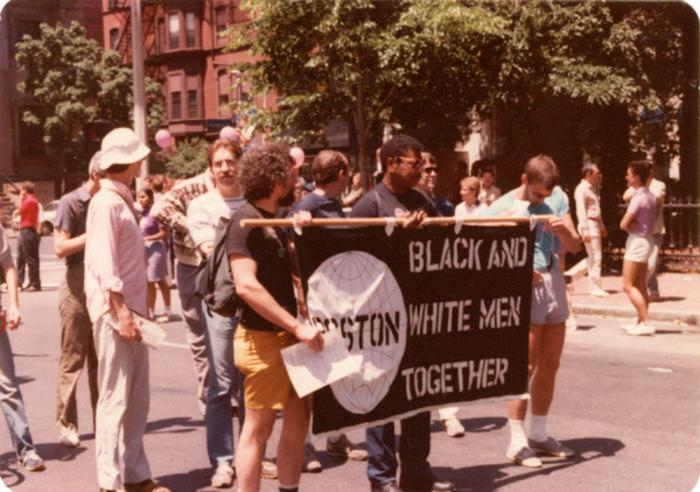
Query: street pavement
pixel 628 406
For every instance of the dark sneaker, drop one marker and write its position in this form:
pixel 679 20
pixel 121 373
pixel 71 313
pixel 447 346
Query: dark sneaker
pixel 343 448
pixel 551 447
pixel 426 485
pixel 386 487
pixel 311 463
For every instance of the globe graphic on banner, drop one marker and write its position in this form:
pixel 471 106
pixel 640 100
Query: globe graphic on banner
pixel 356 290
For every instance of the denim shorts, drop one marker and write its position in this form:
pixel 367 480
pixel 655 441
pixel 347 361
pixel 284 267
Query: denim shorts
pixel 549 305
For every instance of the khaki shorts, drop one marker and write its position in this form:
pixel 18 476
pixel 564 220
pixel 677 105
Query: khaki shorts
pixel 258 355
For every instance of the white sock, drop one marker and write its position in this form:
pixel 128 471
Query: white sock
pixel 167 311
pixel 150 313
pixel 518 438
pixel 538 424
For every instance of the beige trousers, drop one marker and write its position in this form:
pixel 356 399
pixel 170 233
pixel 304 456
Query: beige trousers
pixel 122 408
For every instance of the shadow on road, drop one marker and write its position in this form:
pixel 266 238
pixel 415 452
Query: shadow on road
pixel 198 479
pixel 181 425
pixel 497 476
pixel 12 472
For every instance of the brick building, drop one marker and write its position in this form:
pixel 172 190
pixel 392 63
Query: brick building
pixel 24 156
pixel 183 47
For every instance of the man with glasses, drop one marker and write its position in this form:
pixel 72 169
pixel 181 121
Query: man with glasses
pixel 395 196
pixel 428 182
pixel 539 194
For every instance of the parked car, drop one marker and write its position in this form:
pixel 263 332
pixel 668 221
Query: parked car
pixel 47 217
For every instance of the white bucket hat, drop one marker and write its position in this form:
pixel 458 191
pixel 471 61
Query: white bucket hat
pixel 121 146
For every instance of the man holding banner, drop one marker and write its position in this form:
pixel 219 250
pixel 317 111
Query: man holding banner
pixel 260 265
pixel 539 195
pixel 395 197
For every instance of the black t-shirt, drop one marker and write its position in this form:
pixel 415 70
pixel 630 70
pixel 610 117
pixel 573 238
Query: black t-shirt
pixel 267 246
pixel 320 207
pixel 381 202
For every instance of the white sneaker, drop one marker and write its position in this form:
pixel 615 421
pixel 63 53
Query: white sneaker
pixel 571 324
pixel 639 329
pixel 223 477
pixel 598 292
pixel 68 436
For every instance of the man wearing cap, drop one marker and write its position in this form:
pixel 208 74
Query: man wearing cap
pixel 77 346
pixel 115 287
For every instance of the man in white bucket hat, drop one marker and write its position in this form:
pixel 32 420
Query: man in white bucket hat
pixel 115 286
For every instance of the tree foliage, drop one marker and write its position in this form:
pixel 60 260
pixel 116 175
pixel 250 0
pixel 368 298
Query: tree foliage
pixel 426 64
pixel 74 82
pixel 187 159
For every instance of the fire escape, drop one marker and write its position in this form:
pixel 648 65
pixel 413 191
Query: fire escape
pixel 151 10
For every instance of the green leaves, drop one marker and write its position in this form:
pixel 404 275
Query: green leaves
pixel 73 83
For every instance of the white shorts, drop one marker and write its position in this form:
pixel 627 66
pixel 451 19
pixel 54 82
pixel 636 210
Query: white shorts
pixel 638 248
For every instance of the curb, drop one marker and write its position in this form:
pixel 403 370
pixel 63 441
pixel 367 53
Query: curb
pixel 687 318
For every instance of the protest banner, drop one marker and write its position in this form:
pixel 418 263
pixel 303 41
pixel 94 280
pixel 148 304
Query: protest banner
pixel 439 314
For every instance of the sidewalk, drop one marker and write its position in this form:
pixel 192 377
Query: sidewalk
pixel 680 299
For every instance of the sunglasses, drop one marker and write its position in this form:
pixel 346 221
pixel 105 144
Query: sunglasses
pixel 429 170
pixel 409 163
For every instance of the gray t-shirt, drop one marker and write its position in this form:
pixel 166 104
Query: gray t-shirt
pixel 71 215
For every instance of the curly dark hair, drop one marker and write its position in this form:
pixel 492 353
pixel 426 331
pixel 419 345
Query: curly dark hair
pixel 260 169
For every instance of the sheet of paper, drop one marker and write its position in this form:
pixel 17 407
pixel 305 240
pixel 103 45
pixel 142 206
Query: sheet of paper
pixel 310 371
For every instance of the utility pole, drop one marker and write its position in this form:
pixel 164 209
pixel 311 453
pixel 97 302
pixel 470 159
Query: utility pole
pixel 139 86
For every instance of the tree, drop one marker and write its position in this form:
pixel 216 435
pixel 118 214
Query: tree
pixel 427 65
pixel 74 82
pixel 187 159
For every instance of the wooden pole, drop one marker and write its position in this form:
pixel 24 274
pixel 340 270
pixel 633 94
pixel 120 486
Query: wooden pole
pixel 383 221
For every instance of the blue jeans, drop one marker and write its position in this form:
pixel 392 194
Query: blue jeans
pixel 414 448
pixel 224 382
pixel 11 400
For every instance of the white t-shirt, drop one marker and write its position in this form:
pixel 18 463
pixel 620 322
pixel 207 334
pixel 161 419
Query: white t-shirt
pixel 205 212
pixel 487 197
pixel 463 210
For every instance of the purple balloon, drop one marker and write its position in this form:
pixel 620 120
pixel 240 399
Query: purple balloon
pixel 298 155
pixel 229 133
pixel 163 138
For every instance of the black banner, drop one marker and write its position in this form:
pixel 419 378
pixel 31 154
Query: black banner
pixel 440 317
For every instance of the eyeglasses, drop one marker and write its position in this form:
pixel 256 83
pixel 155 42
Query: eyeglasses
pixel 228 162
pixel 413 164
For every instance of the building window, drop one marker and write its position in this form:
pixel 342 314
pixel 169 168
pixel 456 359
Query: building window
pixel 224 89
pixel 175 105
pixel 192 106
pixel 221 20
pixel 162 37
pixel 30 137
pixel 190 30
pixel 174 31
pixel 114 38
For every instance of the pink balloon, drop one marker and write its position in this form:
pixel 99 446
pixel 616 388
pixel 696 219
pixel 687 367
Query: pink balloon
pixel 163 138
pixel 229 133
pixel 298 155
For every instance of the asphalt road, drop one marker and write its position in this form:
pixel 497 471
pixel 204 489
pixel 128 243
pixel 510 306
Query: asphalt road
pixel 630 408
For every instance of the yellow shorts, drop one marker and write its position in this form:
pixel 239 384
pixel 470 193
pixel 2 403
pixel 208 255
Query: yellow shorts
pixel 258 355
